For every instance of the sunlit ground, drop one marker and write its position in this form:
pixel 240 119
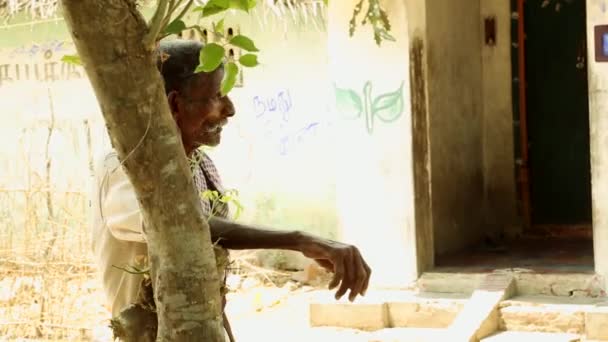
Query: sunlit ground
pixel 65 304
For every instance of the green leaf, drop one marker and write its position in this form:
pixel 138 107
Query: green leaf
pixel 348 103
pixel 209 11
pixel 212 7
pixel 243 5
pixel 389 107
pixel 219 27
pixel 386 36
pixel 175 27
pixel 352 25
pixel 326 2
pixel 210 194
pixel 239 209
pixel 249 60
pixel 239 5
pixel 210 57
pixel 244 43
pixel 385 21
pixel 71 59
pixel 218 3
pixel 229 80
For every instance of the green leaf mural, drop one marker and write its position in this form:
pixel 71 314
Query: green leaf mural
pixel 386 107
pixel 349 103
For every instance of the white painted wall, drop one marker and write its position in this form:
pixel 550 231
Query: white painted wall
pixel 374 166
pixel 277 151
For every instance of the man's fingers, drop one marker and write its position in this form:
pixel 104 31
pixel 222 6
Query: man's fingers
pixel 368 271
pixel 360 277
pixel 338 274
pixel 349 274
pixel 344 286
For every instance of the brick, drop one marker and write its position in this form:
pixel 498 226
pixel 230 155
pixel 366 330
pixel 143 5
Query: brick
pixel 596 324
pixel 423 314
pixel 364 316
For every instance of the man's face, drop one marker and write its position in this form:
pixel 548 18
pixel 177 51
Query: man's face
pixel 200 111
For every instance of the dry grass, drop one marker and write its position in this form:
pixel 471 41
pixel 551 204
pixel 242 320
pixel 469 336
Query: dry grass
pixel 48 288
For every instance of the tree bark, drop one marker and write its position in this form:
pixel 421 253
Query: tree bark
pixel 109 36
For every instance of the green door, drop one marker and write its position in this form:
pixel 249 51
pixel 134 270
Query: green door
pixel 557 112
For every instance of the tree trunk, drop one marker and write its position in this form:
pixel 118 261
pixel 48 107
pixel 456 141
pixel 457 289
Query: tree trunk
pixel 108 35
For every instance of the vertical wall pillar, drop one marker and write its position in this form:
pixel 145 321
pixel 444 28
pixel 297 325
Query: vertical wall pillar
pixel 375 196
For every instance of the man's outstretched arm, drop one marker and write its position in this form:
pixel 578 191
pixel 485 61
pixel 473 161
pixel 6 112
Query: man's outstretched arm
pixel 350 270
pixel 120 210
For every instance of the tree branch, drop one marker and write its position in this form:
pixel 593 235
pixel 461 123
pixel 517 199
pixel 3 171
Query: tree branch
pixel 197 27
pixel 171 8
pixel 156 25
pixel 185 10
pixel 173 4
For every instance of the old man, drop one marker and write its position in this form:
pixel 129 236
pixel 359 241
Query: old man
pixel 200 113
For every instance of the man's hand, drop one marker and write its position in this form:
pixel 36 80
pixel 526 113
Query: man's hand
pixel 351 272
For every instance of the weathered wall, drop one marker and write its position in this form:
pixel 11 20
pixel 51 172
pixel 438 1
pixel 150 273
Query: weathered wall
pixel 421 158
pixel 455 121
pixel 375 196
pixel 497 124
pixel 597 14
pixel 462 124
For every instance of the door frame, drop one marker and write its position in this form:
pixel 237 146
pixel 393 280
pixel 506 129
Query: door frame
pixel 520 119
pixel 520 123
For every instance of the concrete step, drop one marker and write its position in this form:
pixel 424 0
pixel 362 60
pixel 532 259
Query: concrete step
pixel 519 336
pixel 383 335
pixel 549 314
pixel 387 309
pixel 409 335
pixel 527 283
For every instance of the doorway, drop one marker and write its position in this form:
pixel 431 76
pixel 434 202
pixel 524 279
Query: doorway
pixel 555 177
pixel 551 126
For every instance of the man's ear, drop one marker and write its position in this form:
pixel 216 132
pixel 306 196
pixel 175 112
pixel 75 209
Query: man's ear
pixel 172 98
